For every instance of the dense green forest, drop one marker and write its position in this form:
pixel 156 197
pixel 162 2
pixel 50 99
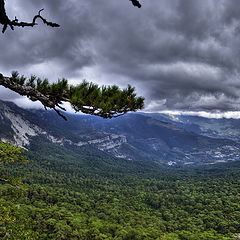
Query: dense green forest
pixel 73 194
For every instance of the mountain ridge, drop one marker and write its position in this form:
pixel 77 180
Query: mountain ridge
pixel 135 136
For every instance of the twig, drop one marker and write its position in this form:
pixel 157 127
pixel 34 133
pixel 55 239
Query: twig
pixel 5 21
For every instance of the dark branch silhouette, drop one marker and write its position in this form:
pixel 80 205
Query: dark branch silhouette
pixel 5 21
pixel 136 3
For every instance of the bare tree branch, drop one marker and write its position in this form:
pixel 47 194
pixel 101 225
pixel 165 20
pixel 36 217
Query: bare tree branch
pixel 5 21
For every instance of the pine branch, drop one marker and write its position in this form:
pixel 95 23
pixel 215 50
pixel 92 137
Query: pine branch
pixel 5 21
pixel 89 98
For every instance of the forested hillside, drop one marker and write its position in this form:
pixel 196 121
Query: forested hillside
pixel 90 195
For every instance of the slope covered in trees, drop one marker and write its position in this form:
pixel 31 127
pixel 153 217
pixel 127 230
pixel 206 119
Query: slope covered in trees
pixel 89 195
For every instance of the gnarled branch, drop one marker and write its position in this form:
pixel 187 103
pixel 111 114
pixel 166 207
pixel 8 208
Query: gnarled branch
pixel 89 98
pixel 5 21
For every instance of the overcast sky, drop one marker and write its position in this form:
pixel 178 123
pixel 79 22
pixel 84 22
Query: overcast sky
pixel 180 55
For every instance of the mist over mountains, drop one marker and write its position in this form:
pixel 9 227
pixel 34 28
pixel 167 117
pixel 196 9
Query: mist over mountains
pixel 157 138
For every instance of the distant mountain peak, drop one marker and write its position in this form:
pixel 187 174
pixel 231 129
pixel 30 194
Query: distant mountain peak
pixel 137 136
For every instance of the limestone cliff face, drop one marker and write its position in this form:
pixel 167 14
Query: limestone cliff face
pixel 21 130
pixel 133 136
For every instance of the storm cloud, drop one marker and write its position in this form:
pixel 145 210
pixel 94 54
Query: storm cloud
pixel 181 55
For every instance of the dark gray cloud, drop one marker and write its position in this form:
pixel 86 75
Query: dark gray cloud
pixel 180 54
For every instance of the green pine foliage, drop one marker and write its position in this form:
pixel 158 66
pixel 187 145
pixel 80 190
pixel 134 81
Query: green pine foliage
pixel 10 153
pixel 89 98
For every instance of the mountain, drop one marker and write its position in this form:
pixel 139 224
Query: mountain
pixel 167 141
pixel 20 126
pixel 155 138
pixel 223 128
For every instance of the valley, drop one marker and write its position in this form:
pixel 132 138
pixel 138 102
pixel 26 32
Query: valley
pixel 138 177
